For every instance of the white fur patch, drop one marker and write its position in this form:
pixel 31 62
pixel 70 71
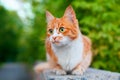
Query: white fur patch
pixel 69 56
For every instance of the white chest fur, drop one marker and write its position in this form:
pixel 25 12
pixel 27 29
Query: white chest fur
pixel 70 56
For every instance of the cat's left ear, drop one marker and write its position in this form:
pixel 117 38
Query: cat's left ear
pixel 70 14
pixel 49 16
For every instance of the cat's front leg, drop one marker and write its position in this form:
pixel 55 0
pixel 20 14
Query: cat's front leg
pixel 82 67
pixel 79 70
pixel 58 70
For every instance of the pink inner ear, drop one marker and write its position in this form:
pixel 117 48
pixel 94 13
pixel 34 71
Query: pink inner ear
pixel 70 14
pixel 49 16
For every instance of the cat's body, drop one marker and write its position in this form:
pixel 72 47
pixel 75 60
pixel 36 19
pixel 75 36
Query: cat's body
pixel 68 60
pixel 67 49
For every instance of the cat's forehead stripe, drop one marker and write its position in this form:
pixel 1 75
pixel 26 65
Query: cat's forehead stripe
pixel 56 23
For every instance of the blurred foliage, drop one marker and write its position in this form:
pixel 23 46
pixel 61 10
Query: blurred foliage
pixel 10 31
pixel 98 19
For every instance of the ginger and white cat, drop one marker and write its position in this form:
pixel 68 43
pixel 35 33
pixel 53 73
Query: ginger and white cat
pixel 68 51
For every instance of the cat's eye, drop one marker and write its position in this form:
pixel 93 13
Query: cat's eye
pixel 50 31
pixel 61 29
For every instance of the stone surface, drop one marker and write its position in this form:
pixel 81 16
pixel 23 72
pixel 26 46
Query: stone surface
pixel 14 71
pixel 90 74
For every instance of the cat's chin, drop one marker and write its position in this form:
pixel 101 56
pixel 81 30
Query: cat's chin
pixel 62 43
pixel 59 44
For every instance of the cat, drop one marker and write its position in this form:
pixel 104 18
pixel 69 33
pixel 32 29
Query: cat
pixel 68 51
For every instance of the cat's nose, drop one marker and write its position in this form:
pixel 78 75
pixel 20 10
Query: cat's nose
pixel 54 38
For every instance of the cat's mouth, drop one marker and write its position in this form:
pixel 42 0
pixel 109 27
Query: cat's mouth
pixel 55 42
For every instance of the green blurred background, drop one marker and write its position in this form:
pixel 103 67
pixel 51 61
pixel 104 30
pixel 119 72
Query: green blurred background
pixel 23 29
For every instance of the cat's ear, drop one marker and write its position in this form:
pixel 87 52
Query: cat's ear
pixel 49 16
pixel 70 14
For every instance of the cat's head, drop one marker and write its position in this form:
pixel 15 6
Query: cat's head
pixel 61 31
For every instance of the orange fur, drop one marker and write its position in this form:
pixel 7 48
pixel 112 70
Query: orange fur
pixel 71 29
pixel 53 58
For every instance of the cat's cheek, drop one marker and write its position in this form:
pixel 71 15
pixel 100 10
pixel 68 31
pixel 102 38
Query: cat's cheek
pixel 66 40
pixel 50 38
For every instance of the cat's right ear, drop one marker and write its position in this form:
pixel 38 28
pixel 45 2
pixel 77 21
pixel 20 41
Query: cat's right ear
pixel 49 16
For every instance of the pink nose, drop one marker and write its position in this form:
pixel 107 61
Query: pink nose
pixel 54 38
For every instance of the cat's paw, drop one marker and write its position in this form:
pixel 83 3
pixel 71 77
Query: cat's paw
pixel 78 71
pixel 59 72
